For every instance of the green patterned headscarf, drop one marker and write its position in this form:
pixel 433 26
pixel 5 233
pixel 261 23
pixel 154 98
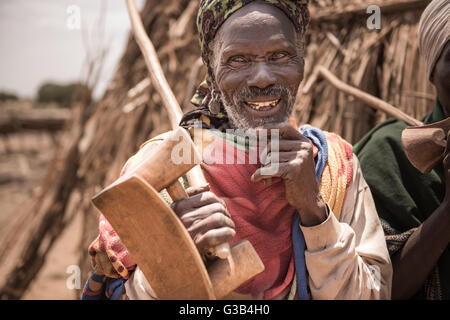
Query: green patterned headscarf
pixel 211 15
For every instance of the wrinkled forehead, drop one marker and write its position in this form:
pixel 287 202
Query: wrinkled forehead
pixel 292 17
pixel 257 19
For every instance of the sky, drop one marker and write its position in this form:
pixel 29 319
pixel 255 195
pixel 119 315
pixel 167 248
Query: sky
pixel 46 40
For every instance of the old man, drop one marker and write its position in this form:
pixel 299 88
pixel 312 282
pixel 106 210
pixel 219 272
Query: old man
pixel 314 226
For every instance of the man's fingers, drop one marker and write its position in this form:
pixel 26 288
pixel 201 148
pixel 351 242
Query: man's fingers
pixel 215 221
pixel 191 191
pixel 196 201
pixel 278 157
pixel 213 238
pixel 289 142
pixel 205 198
pixel 201 213
pixel 282 131
pixel 289 145
pixel 271 171
pixel 104 265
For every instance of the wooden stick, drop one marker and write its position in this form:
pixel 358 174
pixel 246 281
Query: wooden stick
pixel 154 67
pixel 159 81
pixel 195 175
pixel 365 97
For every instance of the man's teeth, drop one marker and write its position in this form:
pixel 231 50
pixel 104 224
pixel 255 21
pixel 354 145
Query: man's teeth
pixel 258 105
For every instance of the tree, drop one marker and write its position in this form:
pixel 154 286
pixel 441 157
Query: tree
pixel 61 94
pixel 5 96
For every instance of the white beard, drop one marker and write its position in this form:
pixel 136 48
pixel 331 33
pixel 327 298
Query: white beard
pixel 240 122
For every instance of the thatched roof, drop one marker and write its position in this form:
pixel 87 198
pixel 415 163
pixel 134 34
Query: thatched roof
pixel 385 63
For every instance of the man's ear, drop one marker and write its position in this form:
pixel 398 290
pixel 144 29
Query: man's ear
pixel 214 87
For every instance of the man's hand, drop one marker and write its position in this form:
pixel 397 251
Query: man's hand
pixel 206 218
pixel 295 163
pixel 415 261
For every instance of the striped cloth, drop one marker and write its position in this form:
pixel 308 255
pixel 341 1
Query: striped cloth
pixel 334 170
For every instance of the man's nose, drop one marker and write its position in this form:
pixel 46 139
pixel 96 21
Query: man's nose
pixel 261 76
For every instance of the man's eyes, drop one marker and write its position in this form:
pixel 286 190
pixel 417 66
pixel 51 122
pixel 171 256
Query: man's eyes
pixel 279 55
pixel 239 60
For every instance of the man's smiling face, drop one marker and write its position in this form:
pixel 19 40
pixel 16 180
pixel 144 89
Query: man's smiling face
pixel 257 66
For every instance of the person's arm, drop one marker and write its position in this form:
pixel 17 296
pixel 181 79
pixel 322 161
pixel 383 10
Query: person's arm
pixel 413 263
pixel 203 214
pixel 341 256
pixel 108 255
pixel 348 258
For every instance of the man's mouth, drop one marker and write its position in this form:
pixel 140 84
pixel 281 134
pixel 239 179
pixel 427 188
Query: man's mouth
pixel 262 105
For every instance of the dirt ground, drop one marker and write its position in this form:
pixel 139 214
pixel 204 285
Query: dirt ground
pixel 24 158
pixel 51 282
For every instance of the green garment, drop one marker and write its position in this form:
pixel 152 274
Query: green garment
pixel 404 197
